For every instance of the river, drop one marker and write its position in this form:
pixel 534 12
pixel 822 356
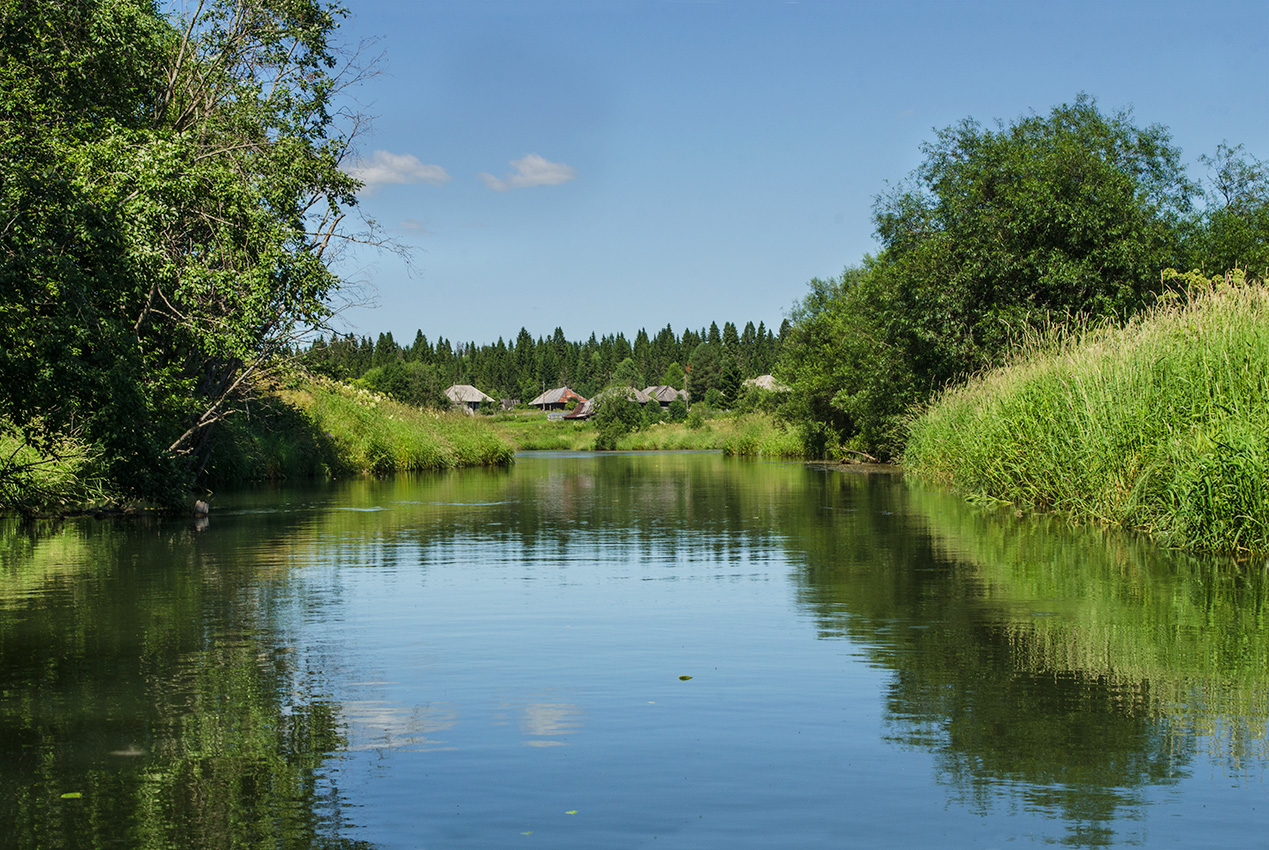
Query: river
pixel 625 650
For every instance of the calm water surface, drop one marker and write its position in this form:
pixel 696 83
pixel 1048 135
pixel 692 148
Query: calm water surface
pixel 668 650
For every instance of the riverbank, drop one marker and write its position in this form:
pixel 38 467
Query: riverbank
pixel 307 428
pixel 319 428
pixel 734 434
pixel 1159 426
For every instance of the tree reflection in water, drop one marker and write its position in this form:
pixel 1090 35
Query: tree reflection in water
pixel 1064 669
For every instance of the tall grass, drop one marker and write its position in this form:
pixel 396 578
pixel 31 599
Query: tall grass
pixel 1161 425
pixel 762 435
pixel 322 428
pixel 41 471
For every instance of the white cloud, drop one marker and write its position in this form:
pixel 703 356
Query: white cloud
pixel 385 167
pixel 531 171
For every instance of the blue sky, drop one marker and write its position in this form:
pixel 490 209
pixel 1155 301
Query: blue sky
pixel 609 166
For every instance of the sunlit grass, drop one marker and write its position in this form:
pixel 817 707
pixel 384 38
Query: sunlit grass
pixel 52 473
pixel 1162 425
pixel 742 435
pixel 325 428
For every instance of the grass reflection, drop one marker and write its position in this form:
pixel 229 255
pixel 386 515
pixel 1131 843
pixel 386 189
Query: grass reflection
pixel 1068 668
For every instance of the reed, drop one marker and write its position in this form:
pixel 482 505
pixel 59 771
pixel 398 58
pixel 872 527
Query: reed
pixel 1161 425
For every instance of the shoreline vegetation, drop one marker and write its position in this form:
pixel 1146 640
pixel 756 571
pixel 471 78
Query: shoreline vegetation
pixel 735 434
pixel 1160 425
pixel 313 427
pixel 308 428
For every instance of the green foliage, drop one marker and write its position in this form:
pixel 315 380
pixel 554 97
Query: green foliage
pixel 172 189
pixel 1233 231
pixel 52 471
pixel 1159 426
pixel 705 369
pixel 761 435
pixel 409 382
pixel 997 232
pixel 627 374
pixel 616 414
pixel 677 411
pixel 674 376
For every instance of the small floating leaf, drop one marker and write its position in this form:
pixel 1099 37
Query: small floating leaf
pixel 684 678
pixel 72 795
pixel 572 812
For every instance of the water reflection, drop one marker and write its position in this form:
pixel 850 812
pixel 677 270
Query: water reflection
pixel 499 640
pixel 1059 669
pixel 151 697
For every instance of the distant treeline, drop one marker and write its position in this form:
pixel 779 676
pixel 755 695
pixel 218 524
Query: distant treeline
pixel 700 361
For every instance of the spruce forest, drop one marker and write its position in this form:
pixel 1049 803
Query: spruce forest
pixel 704 362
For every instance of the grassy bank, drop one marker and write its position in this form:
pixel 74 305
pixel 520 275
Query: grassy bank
pixel 321 428
pixel 58 473
pixel 1162 425
pixel 740 435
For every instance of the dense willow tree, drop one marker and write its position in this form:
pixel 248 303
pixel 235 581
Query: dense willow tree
pixel 171 198
pixel 999 230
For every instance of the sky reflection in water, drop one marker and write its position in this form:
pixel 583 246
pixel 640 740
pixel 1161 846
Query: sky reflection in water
pixel 496 656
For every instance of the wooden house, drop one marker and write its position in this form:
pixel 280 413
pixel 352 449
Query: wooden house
pixel 467 396
pixel 556 399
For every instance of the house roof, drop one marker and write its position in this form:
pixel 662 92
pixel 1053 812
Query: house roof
pixel 559 395
pixel 585 410
pixel 766 382
pixel 465 394
pixel 665 393
pixel 630 392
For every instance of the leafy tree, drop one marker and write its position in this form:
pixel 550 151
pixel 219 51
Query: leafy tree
pixel 175 200
pixel 409 382
pixel 616 414
pixel 677 411
pixel 1075 212
pixel 627 374
pixel 1234 229
pixel 674 376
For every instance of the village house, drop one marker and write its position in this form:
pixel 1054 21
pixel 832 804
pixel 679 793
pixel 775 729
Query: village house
pixel 466 396
pixel 556 399
pixel 664 394
pixel 768 383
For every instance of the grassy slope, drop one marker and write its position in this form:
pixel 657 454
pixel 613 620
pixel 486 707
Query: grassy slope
pixel 1161 426
pixel 321 428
